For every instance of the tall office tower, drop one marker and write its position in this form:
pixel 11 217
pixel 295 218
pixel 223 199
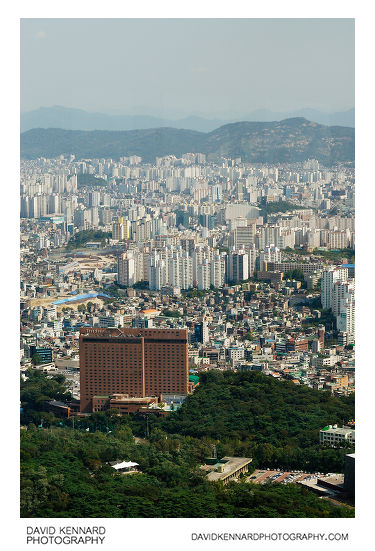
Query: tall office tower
pixel 340 290
pixel 137 362
pixel 272 235
pixel 141 270
pixel 181 270
pixel 126 269
pixel 238 265
pixel 134 229
pixel 239 190
pixel 270 254
pixel 329 277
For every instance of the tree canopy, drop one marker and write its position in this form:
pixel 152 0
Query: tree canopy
pixel 65 471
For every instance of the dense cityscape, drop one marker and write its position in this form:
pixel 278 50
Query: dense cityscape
pixel 150 289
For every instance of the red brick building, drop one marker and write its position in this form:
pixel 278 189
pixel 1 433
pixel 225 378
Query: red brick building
pixel 137 362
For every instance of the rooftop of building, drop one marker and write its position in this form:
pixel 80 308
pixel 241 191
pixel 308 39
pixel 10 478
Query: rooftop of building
pixel 338 430
pixel 133 332
pixel 230 465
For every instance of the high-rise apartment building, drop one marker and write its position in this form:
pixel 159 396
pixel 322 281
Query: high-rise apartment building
pixel 157 268
pixel 217 274
pixel 340 291
pixel 329 277
pixel 94 199
pixel 204 272
pixel 126 269
pixel 238 265
pixel 136 362
pixel 118 231
pixel 181 270
pixel 269 254
pixel 346 318
pixel 243 236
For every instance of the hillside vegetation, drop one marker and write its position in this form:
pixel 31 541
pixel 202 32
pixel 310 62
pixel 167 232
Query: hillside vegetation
pixel 254 415
pixel 290 140
pixel 65 471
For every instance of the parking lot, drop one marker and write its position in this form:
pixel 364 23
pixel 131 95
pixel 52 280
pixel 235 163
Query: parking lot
pixel 283 477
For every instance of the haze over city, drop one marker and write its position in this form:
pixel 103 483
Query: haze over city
pixel 174 68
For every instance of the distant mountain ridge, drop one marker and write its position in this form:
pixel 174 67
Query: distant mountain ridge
pixel 78 119
pixel 290 140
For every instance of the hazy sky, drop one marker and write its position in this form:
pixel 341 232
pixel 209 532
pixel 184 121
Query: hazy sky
pixel 177 67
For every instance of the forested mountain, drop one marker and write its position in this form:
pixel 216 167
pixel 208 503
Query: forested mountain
pixel 290 140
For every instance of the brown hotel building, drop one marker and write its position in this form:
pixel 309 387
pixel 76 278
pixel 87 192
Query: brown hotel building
pixel 137 362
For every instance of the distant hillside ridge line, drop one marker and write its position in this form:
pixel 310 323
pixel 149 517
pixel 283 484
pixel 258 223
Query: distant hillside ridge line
pixel 289 140
pixel 70 118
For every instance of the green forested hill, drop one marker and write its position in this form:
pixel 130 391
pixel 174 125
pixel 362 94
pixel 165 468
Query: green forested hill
pixel 65 471
pixel 290 140
pixel 255 415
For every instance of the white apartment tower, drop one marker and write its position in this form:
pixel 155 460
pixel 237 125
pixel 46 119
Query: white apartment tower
pixel 204 275
pixel 340 291
pixel 126 269
pixel 269 254
pixel 157 268
pixel 329 277
pixel 217 272
pixel 238 265
pixel 346 319
pixel 181 270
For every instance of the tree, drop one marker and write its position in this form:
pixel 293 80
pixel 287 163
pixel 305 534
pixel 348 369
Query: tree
pixel 295 274
pixel 36 359
pixel 172 313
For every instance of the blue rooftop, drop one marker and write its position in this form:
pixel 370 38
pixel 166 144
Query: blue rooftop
pixel 80 297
